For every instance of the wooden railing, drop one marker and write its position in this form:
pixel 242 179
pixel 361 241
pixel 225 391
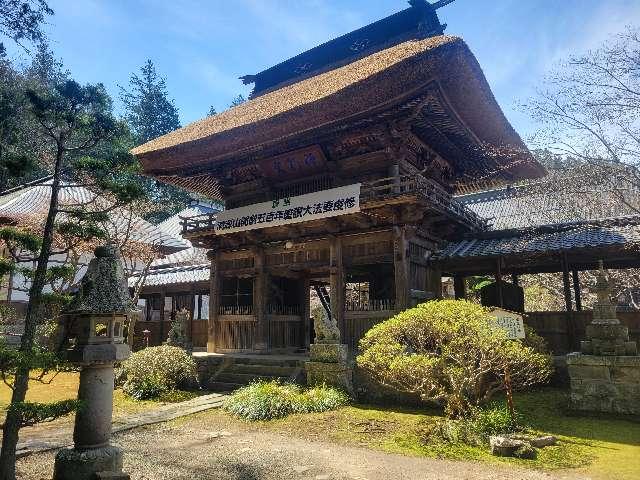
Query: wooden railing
pixel 379 190
pixel 369 306
pixel 426 187
pixel 235 310
pixel 272 309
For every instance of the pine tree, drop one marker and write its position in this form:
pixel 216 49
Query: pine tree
pixel 22 19
pixel 238 100
pixel 75 122
pixel 150 112
pixel 212 111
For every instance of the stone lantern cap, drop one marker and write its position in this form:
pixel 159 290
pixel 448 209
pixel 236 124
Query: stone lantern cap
pixel 97 315
pixel 104 288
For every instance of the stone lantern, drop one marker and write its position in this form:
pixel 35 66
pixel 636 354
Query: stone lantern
pixel 94 323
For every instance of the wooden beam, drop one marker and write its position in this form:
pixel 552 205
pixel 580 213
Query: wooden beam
pixel 260 294
pixel 576 290
pixel 306 312
pixel 567 301
pixel 214 301
pixel 499 283
pixel 459 287
pixel 336 278
pixel 401 267
pixel 515 280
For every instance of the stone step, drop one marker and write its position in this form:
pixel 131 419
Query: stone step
pixel 216 386
pixel 267 370
pixel 246 378
pixel 269 360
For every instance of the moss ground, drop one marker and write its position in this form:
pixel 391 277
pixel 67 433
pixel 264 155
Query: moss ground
pixel 600 447
pixel 65 386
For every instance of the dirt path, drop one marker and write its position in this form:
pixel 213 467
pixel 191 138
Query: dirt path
pixel 59 434
pixel 191 449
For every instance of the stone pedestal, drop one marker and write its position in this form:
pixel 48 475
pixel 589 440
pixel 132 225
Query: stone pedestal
pixel 605 383
pixel 73 464
pixel 329 365
pixel 605 375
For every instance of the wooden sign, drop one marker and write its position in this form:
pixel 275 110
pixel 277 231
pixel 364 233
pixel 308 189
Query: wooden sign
pixel 302 208
pixel 510 322
pixel 293 164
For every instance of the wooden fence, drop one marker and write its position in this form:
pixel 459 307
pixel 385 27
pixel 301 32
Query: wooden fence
pixel 557 328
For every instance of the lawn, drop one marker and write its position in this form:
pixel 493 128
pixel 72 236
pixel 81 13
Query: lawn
pixel 601 447
pixel 65 386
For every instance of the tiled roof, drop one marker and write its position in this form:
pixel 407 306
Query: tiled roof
pixel 32 202
pixel 540 203
pixel 173 226
pixel 176 275
pixel 621 232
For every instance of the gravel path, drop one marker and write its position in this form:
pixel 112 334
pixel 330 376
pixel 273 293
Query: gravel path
pixel 194 449
pixel 45 437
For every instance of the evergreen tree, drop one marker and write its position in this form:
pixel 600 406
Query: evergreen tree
pixel 22 19
pixel 74 122
pixel 238 100
pixel 150 113
pixel 212 111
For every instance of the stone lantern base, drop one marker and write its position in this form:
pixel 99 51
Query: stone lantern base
pixel 329 365
pixel 72 464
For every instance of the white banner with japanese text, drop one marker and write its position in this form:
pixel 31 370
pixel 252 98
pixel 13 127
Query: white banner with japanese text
pixel 311 206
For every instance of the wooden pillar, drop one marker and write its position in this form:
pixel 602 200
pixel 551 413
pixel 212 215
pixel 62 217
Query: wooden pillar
pixel 306 312
pixel 401 267
pixel 336 278
pixel 459 287
pixel 499 283
pixel 214 301
pixel 163 296
pixel 260 285
pixel 515 280
pixel 568 303
pixel 576 290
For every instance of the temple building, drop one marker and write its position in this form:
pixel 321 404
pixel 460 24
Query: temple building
pixel 338 177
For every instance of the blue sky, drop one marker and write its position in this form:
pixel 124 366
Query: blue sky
pixel 201 47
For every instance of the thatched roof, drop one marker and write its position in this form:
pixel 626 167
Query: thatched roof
pixel 373 83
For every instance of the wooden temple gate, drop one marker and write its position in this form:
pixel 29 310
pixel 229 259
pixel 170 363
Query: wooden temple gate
pixel 261 296
pixel 340 170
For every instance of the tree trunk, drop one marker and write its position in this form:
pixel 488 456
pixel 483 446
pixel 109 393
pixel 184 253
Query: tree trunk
pixel 12 423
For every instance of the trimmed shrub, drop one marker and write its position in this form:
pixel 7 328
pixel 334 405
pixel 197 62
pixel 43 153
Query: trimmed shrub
pixel 269 400
pixel 154 371
pixel 448 351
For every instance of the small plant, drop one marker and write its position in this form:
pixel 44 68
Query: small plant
pixel 473 430
pixel 155 371
pixel 269 400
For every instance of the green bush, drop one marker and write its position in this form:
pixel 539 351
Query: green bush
pixel 269 400
pixel 448 351
pixel 154 371
pixel 474 430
